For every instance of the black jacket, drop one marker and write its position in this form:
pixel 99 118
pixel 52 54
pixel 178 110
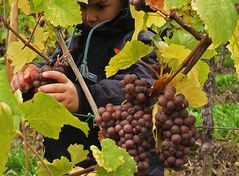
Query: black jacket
pixel 113 34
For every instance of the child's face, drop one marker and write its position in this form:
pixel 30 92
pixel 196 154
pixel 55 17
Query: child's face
pixel 97 11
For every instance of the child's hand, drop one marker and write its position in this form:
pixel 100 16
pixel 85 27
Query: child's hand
pixel 64 91
pixel 22 80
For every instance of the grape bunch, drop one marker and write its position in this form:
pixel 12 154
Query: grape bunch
pixel 135 90
pixel 177 128
pixel 130 124
pixel 36 79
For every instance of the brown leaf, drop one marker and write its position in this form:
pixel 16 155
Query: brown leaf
pixel 157 4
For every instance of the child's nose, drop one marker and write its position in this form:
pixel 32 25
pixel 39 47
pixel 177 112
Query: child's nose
pixel 91 17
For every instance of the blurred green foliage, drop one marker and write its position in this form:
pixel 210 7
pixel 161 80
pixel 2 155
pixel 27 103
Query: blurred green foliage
pixel 224 82
pixel 16 165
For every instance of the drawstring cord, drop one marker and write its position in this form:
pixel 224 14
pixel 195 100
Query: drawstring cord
pixel 83 67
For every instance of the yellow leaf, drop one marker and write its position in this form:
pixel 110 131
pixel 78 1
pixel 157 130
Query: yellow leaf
pixel 40 38
pixel 11 1
pixel 233 47
pixel 192 92
pixel 19 56
pixel 155 19
pixel 24 6
pixel 139 21
pixel 158 140
pixel 175 54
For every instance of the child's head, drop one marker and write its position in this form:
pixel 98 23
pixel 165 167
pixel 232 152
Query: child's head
pixel 97 11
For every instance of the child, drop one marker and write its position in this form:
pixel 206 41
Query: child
pixel 111 26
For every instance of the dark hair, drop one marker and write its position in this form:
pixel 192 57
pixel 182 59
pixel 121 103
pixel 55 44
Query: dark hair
pixel 125 3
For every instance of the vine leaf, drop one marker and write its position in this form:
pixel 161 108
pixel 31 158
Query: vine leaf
pixel 19 56
pixel 175 54
pixel 47 116
pixel 113 160
pixel 139 21
pixel 60 167
pixel 156 133
pixel 233 47
pixel 174 4
pixel 7 133
pixel 157 4
pixel 8 97
pixel 190 88
pixel 131 53
pixel 184 38
pixel 144 20
pixel 77 153
pixel 60 12
pixel 218 29
pixel 23 5
pixel 154 19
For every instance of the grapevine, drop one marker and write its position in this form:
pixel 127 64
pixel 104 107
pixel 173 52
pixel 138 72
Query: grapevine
pixel 130 124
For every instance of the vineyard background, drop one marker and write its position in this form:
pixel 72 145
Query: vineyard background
pixel 224 147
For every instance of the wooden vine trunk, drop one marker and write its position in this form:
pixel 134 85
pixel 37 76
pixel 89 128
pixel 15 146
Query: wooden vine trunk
pixel 207 120
pixel 11 36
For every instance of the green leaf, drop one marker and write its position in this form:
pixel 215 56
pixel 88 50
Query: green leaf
pixel 47 116
pixel 184 38
pixel 113 160
pixel 7 133
pixel 61 12
pixel 77 153
pixel 174 4
pixel 131 53
pixel 219 16
pixel 3 34
pixel 58 167
pixel 8 97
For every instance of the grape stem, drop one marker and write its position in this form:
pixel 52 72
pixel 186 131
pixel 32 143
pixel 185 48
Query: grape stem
pixel 84 171
pixel 76 71
pixel 30 38
pixel 151 69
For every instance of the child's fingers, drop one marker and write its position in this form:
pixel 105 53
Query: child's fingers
pixel 58 96
pixel 58 76
pixel 52 88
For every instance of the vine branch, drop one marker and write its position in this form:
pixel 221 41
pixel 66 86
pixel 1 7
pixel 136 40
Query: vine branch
pixel 35 27
pixel 196 53
pixel 84 171
pixel 76 71
pixel 34 151
pixel 24 132
pixel 176 18
pixel 23 40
